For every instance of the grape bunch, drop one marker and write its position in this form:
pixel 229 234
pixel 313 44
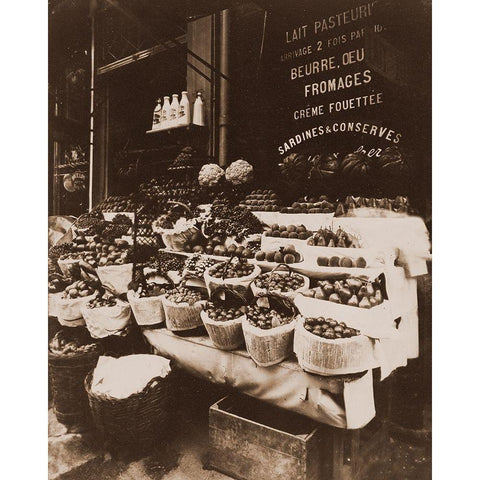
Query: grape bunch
pixel 57 251
pixel 166 261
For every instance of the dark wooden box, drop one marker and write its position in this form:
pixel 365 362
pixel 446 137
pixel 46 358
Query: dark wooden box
pixel 251 440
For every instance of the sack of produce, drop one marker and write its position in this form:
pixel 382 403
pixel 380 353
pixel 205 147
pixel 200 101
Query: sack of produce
pixel 56 285
pixel 66 263
pixel 146 303
pixel 69 305
pixel 268 330
pixel 182 306
pixel 116 277
pixel 284 283
pixel 236 274
pixel 362 301
pixel 327 347
pixel 222 317
pixel 106 315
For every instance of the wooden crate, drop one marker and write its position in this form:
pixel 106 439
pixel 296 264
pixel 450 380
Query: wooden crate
pixel 250 440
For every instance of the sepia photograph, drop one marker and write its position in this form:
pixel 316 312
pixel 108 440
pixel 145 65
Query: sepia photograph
pixel 239 240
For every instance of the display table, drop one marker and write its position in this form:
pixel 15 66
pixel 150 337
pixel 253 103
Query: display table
pixel 343 401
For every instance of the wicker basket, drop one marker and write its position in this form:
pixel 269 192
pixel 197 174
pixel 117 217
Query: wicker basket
pixel 268 347
pixel 67 374
pixel 146 310
pixel 182 316
pixel 224 335
pixel 137 421
pixel 257 291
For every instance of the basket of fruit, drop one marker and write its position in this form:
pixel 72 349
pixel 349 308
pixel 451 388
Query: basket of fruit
pixel 284 283
pixel 106 315
pixel 327 347
pixel 236 274
pixel 56 285
pixel 115 269
pixel 361 300
pixel 146 302
pixel 69 305
pixel 182 306
pixel 177 228
pixel 70 357
pixel 268 329
pixel 223 319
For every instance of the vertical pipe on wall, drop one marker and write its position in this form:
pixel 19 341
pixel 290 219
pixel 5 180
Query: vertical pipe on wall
pixel 92 101
pixel 223 111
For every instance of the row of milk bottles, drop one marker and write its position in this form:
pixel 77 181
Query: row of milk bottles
pixel 177 113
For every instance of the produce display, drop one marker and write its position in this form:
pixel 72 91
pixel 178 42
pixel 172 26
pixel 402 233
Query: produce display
pixel 186 159
pixel 197 264
pixel 329 328
pixel 222 313
pixel 323 168
pixel 326 237
pixel 62 344
pixel 167 261
pixel 262 201
pixel 118 203
pixel 279 282
pixel 57 282
pixel 151 289
pixel 57 251
pixel 345 262
pixel 266 318
pixel 90 225
pixel 81 288
pixel 183 294
pixel 286 255
pixel 102 252
pixel 351 291
pixel 399 204
pixel 171 190
pixel 102 301
pixel 237 268
pixel 319 204
pixel 288 231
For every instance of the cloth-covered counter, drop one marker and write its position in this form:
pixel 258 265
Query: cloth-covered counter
pixel 408 235
pixel 343 402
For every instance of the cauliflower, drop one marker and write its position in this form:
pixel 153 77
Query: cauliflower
pixel 239 172
pixel 210 174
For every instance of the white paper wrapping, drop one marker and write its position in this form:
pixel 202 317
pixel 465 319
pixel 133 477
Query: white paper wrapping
pixel 240 285
pixel 106 321
pixel 375 322
pixel 52 303
pixel 147 310
pixel 257 292
pixel 69 310
pixel 65 265
pixel 224 335
pixel 270 346
pixel 182 316
pixel 125 376
pixel 332 357
pixel 116 277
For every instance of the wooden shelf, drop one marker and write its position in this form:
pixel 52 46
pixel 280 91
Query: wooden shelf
pixel 170 131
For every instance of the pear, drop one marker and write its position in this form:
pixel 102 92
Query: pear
pixel 331 243
pixel 378 296
pixel 320 294
pixel 309 293
pixel 370 290
pixel 328 289
pixel 341 243
pixel 335 298
pixel 337 286
pixel 365 303
pixel 321 241
pixel 340 210
pixel 345 294
pixel 353 301
pixel 373 301
pixel 362 292
pixel 310 242
pixel 354 284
